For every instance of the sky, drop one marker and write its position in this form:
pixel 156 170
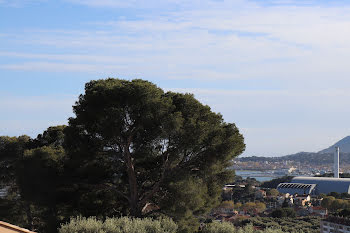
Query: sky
pixel 278 69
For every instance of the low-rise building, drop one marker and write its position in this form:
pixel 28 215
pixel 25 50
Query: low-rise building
pixel 335 225
pixel 260 194
pixel 318 211
pixel 302 200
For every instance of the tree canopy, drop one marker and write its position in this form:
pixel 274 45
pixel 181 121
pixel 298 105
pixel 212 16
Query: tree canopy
pixel 151 147
pixel 130 150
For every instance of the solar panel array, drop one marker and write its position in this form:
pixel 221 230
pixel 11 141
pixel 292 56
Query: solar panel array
pixel 294 186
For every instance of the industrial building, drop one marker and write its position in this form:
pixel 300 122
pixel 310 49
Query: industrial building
pixel 316 185
pixel 297 188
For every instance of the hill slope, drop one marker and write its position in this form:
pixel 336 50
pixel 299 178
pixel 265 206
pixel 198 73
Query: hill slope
pixel 322 157
pixel 343 144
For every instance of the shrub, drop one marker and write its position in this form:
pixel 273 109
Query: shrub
pixel 226 227
pixel 119 225
pixel 283 212
pixel 217 227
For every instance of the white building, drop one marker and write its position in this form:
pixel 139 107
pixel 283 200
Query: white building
pixel 335 225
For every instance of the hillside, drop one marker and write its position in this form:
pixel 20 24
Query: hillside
pixel 302 157
pixel 325 156
pixel 316 158
pixel 343 144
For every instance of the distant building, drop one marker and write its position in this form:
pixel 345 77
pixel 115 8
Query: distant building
pixel 335 225
pixel 302 200
pixel 4 191
pixel 297 188
pixel 315 185
pixel 318 211
pixel 260 194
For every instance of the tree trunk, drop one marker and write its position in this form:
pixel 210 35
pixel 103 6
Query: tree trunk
pixel 29 216
pixel 52 219
pixel 134 197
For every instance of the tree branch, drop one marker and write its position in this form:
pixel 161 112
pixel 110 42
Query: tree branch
pixel 156 185
pixel 111 186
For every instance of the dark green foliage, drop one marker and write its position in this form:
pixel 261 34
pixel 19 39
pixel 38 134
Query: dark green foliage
pixel 39 174
pixel 334 194
pixel 334 205
pixel 331 174
pixel 345 213
pixel 272 192
pixel 344 195
pixel 285 204
pixel 12 208
pixel 150 147
pixel 11 149
pixel 53 136
pixel 30 169
pixel 131 149
pixel 308 224
pixel 283 213
pixel 238 194
pixel 327 202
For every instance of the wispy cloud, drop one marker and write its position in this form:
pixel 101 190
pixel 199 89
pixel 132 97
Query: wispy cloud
pixel 61 67
pixel 19 3
pixel 221 42
pixel 279 69
pixel 147 4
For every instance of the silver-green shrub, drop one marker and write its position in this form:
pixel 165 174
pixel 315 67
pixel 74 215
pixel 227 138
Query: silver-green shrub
pixel 226 227
pixel 80 225
pixel 216 227
pixel 119 225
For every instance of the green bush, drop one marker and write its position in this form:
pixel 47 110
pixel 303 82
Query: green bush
pixel 119 225
pixel 283 213
pixel 226 227
pixel 216 227
pixel 307 224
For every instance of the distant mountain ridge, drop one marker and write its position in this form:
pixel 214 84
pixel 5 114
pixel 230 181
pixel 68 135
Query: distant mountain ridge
pixel 324 156
pixel 343 144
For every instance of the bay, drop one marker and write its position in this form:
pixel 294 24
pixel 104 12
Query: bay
pixel 260 176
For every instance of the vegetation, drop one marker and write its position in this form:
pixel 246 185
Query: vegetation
pixel 131 150
pixel 283 213
pixel 226 227
pixel 164 225
pixel 165 149
pixel 238 194
pixel 345 213
pixel 333 204
pixel 272 192
pixel 119 225
pixel 331 174
pixel 300 224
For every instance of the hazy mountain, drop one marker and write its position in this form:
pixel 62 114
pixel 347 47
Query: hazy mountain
pixel 343 144
pixel 325 156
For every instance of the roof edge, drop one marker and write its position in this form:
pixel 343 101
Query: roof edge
pixel 15 228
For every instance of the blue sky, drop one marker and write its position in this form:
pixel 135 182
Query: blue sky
pixel 277 68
